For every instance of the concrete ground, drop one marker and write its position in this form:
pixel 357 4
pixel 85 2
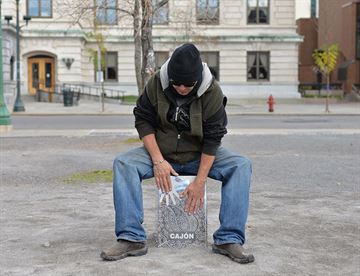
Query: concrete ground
pixel 304 210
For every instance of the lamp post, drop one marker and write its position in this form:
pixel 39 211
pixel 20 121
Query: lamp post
pixel 18 106
pixel 5 117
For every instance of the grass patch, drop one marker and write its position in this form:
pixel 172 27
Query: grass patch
pixel 98 176
pixel 130 99
pixel 132 140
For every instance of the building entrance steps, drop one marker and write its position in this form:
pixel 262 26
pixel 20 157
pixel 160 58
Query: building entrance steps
pixel 176 228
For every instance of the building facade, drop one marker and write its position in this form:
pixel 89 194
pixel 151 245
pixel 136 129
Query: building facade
pixel 345 31
pixel 338 22
pixel 251 46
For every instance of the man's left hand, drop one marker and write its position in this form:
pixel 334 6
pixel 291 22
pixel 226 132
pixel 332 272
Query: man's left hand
pixel 194 194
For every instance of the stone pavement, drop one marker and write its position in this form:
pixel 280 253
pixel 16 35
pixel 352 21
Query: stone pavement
pixel 234 107
pixel 303 220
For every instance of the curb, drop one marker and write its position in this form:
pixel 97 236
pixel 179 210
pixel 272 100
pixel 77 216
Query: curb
pixel 228 113
pixel 70 114
pixel 133 133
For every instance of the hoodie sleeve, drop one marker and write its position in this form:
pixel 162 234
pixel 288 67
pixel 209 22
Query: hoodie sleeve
pixel 214 130
pixel 145 116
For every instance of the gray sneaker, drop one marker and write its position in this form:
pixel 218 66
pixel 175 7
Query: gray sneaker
pixel 234 251
pixel 123 249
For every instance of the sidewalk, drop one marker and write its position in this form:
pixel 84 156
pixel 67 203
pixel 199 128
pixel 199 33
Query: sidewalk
pixel 234 107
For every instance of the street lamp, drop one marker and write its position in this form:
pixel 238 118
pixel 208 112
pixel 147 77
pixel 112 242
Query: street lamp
pixel 5 118
pixel 18 105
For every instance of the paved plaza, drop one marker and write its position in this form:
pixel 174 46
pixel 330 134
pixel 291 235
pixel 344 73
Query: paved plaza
pixel 304 209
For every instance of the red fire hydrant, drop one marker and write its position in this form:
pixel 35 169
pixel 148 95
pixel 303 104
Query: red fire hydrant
pixel 271 103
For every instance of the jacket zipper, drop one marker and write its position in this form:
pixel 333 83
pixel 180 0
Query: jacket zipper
pixel 177 144
pixel 177 113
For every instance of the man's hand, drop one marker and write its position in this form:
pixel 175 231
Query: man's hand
pixel 162 172
pixel 194 194
pixel 162 169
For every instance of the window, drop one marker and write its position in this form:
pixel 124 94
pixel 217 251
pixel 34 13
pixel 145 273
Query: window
pixel 160 58
pixel 161 14
pixel 207 11
pixel 358 32
pixel 258 66
pixel 313 9
pixel 39 8
pixel 212 60
pixel 111 66
pixel 258 11
pixel 110 71
pixel 106 12
pixel 12 63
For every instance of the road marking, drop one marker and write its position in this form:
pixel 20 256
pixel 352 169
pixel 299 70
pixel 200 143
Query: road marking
pixel 133 132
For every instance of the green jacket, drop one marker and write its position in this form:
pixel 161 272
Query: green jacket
pixel 187 145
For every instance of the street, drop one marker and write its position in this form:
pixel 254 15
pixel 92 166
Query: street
pixel 235 121
pixel 304 203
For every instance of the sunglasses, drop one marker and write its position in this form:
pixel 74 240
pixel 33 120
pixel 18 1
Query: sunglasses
pixel 192 84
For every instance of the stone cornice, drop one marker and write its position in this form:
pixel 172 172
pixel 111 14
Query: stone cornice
pixel 168 38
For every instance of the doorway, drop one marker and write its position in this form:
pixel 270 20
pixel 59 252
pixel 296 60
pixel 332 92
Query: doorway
pixel 41 75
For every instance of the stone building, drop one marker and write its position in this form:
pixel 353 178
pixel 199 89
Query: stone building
pixel 250 45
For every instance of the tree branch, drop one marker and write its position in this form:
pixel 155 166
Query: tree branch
pixel 159 5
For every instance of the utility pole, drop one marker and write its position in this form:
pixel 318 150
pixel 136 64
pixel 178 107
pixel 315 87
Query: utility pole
pixel 5 117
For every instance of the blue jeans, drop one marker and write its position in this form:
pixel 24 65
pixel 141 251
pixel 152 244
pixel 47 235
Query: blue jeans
pixel 234 171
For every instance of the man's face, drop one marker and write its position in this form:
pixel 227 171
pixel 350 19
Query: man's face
pixel 184 89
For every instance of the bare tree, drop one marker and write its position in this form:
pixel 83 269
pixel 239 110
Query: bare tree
pixel 83 13
pixel 149 7
pixel 137 45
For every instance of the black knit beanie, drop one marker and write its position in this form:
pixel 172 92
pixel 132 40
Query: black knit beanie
pixel 185 65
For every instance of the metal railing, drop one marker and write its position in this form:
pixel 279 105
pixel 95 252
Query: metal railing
pixel 93 90
pixel 308 89
pixel 356 88
pixel 55 94
pixel 317 86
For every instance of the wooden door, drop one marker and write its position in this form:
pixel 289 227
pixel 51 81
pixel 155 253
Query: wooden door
pixel 41 75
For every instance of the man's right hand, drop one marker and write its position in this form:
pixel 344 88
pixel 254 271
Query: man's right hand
pixel 162 169
pixel 162 172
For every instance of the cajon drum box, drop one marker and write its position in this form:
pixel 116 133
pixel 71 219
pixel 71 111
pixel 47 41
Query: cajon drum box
pixel 175 228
